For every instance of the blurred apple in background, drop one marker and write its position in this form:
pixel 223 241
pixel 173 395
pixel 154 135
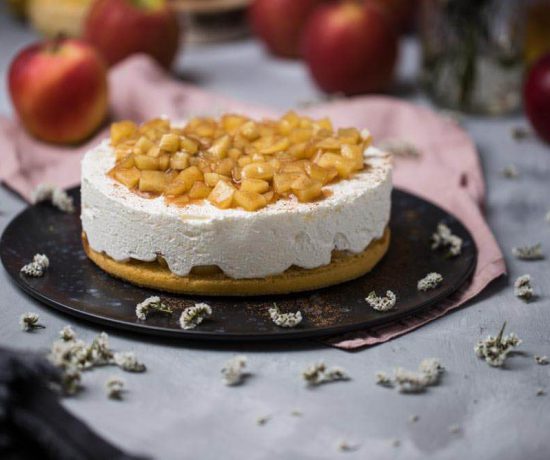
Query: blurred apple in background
pixel 279 23
pixel 350 47
pixel 119 28
pixel 54 17
pixel 59 90
pixel 402 12
pixel 536 97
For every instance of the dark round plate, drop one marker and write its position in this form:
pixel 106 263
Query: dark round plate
pixel 74 285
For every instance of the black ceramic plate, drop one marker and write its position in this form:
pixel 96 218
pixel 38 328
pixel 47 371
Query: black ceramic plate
pixel 74 285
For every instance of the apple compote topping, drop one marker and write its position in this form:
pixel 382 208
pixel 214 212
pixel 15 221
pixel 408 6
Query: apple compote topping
pixel 235 161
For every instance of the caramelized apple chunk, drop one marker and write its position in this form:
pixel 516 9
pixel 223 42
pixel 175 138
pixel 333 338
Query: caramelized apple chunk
pixel 235 161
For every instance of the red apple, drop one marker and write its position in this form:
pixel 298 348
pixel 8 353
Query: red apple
pixel 400 11
pixel 350 48
pixel 119 28
pixel 59 90
pixel 536 97
pixel 279 23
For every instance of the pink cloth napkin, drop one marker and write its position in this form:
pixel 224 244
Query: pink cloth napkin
pixel 447 172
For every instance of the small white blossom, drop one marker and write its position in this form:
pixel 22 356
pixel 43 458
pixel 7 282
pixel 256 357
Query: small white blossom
pixel 151 304
pixel 234 371
pixel 444 238
pixel 528 252
pixel 29 321
pixel 523 288
pixel 67 334
pixel 382 303
pixel 430 281
pixel 57 196
pixel 128 361
pixel 383 379
pixel 399 148
pixel 495 350
pixel 114 387
pixel 284 319
pixel 317 374
pixel 37 267
pixel 542 360
pixel 191 317
pixel 428 374
pixel 510 172
pixel 70 381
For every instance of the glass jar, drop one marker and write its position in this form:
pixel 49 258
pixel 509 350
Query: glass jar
pixel 472 53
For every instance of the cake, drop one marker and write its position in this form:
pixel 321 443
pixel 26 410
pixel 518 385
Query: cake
pixel 233 206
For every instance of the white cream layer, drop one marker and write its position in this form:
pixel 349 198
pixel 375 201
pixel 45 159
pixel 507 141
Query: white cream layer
pixel 243 244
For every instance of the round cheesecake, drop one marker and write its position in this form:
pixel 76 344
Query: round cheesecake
pixel 286 246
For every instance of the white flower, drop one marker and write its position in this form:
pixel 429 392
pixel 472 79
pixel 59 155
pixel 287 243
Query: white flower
pixel 284 319
pixel 428 374
pixel 128 361
pixel 542 360
pixel 317 374
pixel 233 371
pixel 114 387
pixel 57 196
pixel 523 288
pixel 191 317
pixel 29 321
pixel 151 304
pixel 430 281
pixel 382 303
pixel 37 267
pixel 67 334
pixel 495 350
pixel 444 238
pixel 70 381
pixel 528 252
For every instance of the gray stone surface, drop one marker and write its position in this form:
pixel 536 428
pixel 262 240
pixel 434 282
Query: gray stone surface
pixel 180 409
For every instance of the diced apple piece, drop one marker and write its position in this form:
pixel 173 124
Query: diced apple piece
pixel 244 160
pixel 211 179
pixel 222 195
pixel 300 135
pixel 231 123
pixel 234 153
pixel 306 189
pixel 269 196
pixel 152 181
pixel 146 162
pixel 261 170
pixel 127 162
pixel 342 165
pixel 170 142
pixel 122 130
pixel 354 153
pixel 179 161
pixel 128 177
pixel 189 176
pixel 250 131
pixel 320 174
pixel 330 143
pixel 349 135
pixel 181 200
pixel 143 145
pixel 254 185
pixel 251 201
pixel 220 147
pixel 189 145
pixel 282 182
pixel 324 123
pixel 154 152
pixel 199 191
pixel 225 167
pixel 277 146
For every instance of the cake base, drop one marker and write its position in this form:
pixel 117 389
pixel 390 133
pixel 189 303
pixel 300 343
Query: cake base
pixel 344 267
